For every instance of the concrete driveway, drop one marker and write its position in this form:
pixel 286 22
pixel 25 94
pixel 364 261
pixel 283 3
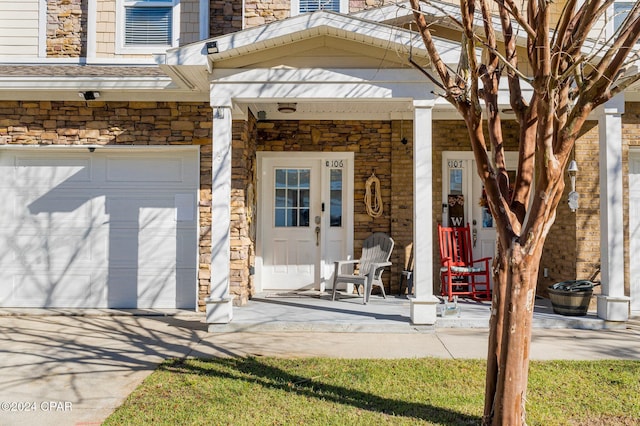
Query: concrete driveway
pixel 77 369
pixel 70 370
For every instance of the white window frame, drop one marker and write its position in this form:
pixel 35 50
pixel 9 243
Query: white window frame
pixel 121 48
pixel 611 16
pixel 295 7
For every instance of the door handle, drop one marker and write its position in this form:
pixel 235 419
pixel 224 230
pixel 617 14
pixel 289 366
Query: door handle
pixel 475 236
pixel 317 235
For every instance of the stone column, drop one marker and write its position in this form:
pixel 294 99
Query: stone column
pixel 613 305
pixel 424 304
pixel 219 302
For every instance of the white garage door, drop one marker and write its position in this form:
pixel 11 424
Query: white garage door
pixel 112 228
pixel 634 227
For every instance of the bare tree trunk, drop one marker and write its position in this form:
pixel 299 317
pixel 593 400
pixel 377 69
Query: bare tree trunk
pixel 510 337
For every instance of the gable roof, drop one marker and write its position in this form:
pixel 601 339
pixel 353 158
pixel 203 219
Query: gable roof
pixel 189 64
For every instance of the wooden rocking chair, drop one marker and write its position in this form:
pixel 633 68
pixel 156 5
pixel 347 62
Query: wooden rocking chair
pixel 460 274
pixel 376 251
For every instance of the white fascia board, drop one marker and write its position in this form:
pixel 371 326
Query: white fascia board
pixel 78 83
pixel 30 60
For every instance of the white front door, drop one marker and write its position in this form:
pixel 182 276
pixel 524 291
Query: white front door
pixel 463 199
pixel 634 227
pixel 305 218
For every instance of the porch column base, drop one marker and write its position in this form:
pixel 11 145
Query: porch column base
pixel 219 310
pixel 424 310
pixel 613 308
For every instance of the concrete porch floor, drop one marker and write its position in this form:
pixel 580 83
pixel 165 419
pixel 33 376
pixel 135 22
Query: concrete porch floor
pixel 314 311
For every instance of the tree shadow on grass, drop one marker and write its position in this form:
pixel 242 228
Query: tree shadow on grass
pixel 252 370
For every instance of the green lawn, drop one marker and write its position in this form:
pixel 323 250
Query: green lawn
pixel 322 391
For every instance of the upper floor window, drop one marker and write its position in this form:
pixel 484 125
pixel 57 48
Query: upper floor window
pixel 304 6
pixel 148 26
pixel 621 10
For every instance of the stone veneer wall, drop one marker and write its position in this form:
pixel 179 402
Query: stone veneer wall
pixel 630 139
pixel 67 28
pixel 121 123
pixel 225 16
pixel 572 248
pixel 401 195
pixel 243 208
pixel 371 143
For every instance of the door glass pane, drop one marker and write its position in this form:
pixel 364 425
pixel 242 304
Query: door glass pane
pixel 281 200
pixel 281 178
pixel 455 181
pixel 335 210
pixel 292 197
pixel 304 198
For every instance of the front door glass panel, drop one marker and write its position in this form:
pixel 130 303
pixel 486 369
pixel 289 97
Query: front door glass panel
pixel 292 200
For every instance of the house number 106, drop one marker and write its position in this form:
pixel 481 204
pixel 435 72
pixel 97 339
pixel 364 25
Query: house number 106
pixel 334 163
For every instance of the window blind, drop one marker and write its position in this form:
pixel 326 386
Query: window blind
pixel 148 26
pixel 313 5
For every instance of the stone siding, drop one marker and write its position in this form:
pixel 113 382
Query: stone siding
pixel 122 123
pixel 225 16
pixel 66 28
pixel 401 195
pixel 260 12
pixel 243 208
pixel 630 139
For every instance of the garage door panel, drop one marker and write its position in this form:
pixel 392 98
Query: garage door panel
pixel 133 288
pixel 52 172
pixel 57 289
pixel 141 170
pixel 56 211
pixel 101 229
pixel 141 211
pixel 54 250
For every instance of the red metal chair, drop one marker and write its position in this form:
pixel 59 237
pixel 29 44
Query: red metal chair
pixel 460 274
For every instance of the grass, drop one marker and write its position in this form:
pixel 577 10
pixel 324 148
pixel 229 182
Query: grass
pixel 322 391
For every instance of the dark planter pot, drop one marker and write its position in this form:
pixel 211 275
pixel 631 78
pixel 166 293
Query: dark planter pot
pixel 567 302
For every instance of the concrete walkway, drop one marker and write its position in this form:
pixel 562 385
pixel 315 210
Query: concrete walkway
pixel 75 367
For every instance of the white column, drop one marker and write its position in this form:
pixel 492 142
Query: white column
pixel 613 305
pixel 219 303
pixel 424 304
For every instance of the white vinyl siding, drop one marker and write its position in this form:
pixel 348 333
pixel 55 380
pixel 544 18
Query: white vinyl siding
pixel 19 28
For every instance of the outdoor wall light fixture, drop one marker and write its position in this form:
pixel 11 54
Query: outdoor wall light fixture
pixel 573 195
pixel 89 95
pixel 287 108
pixel 212 47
